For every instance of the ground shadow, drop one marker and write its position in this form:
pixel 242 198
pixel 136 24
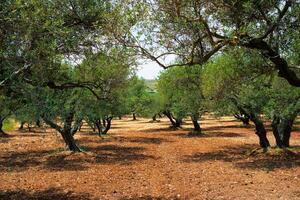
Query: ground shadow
pixel 209 135
pixel 148 197
pixel 4 139
pixel 19 161
pixel 49 194
pixel 241 157
pixel 160 130
pixel 114 154
pixel 141 140
pixel 217 128
pixel 60 160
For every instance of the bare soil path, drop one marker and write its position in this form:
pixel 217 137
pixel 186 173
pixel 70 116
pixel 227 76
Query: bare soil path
pixel 141 160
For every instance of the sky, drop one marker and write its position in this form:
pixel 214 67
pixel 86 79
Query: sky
pixel 149 70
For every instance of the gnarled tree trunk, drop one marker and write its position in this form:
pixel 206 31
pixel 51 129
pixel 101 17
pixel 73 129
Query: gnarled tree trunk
pixel 67 131
pixel 260 130
pixel 170 117
pixel 99 126
pixel 108 125
pixel 244 118
pixel 2 133
pixel 197 127
pixel 282 128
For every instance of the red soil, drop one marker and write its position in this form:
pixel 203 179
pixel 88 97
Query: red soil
pixel 141 160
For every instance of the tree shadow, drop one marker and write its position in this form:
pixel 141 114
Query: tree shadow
pixel 217 128
pixel 20 161
pixel 49 194
pixel 141 140
pixel 5 139
pixel 160 130
pixel 210 135
pixel 114 154
pixel 60 160
pixel 148 197
pixel 242 156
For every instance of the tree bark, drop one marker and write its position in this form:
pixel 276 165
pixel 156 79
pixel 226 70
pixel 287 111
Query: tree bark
pixel 134 116
pixel 245 119
pixel 108 125
pixel 169 115
pixel 99 126
pixel 67 132
pixel 70 141
pixel 280 63
pixel 282 128
pixel 260 130
pixel 197 127
pixel 154 117
pixel 38 123
pixel 22 125
pixel 178 123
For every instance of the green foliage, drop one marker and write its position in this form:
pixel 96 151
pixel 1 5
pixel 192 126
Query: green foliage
pixel 284 100
pixel 139 98
pixel 181 91
pixel 9 124
pixel 236 79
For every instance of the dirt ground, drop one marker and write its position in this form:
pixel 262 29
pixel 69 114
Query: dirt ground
pixel 142 160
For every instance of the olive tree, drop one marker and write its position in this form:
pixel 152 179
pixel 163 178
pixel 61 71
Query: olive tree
pixel 181 91
pixel 282 108
pixel 235 83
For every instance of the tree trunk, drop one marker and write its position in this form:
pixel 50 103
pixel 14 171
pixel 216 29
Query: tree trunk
pixel 243 118
pixel 154 118
pixel 99 126
pixel 80 126
pixel 282 128
pixel 38 123
pixel 29 127
pixel 22 125
pixel 70 141
pixel 120 117
pixel 275 123
pixel 260 131
pixel 104 122
pixel 178 123
pixel 169 115
pixel 134 116
pixel 197 127
pixel 67 132
pixel 108 125
pixel 279 62
pixel 2 133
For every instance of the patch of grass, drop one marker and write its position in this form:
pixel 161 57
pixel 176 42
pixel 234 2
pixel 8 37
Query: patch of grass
pixel 9 124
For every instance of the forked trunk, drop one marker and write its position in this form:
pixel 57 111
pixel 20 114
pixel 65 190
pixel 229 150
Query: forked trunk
pixel 245 119
pixel 98 125
pixel 108 125
pixel 67 131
